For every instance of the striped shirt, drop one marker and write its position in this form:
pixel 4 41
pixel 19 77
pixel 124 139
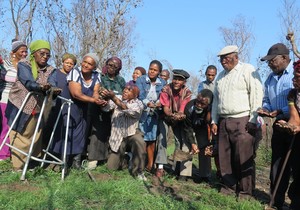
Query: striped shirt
pixel 276 90
pixel 124 122
pixel 238 93
pixel 9 78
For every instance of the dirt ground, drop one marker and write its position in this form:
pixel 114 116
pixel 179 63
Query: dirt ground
pixel 177 189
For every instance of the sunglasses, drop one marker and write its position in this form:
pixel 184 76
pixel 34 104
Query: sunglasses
pixel 44 54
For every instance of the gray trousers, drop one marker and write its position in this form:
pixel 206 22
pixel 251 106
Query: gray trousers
pixel 180 142
pixel 134 144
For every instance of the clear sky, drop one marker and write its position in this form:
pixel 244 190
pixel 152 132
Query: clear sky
pixel 186 32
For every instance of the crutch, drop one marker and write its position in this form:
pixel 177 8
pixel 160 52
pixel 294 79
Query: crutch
pixel 281 171
pixel 63 163
pixel 33 140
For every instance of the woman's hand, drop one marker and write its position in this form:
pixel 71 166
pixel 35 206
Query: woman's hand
pixel 101 102
pixel 288 127
pixel 45 87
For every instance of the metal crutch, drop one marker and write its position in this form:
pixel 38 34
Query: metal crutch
pixel 13 123
pixel 63 163
pixel 33 140
pixel 34 136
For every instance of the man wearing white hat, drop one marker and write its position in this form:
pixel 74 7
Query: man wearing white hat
pixel 237 95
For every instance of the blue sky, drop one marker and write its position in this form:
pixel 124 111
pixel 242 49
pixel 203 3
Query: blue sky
pixel 186 33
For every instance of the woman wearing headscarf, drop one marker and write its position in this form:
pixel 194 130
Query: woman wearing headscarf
pixel 82 86
pixel 100 126
pixel 32 76
pixel 59 78
pixel 9 75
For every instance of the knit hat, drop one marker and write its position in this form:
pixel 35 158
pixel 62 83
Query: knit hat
pixel 94 56
pixel 16 45
pixel 35 46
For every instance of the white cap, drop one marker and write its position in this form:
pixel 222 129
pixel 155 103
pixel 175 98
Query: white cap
pixel 229 49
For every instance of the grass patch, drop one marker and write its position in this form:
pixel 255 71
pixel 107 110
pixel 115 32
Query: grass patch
pixel 114 190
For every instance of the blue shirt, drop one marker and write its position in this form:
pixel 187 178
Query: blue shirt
pixel 276 89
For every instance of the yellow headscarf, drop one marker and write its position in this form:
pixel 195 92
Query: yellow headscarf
pixel 35 46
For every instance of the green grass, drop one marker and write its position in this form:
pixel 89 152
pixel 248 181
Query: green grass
pixel 111 190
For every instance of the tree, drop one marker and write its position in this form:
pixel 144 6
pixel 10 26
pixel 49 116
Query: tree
pixel 290 16
pixel 193 83
pixel 80 26
pixel 22 14
pixel 241 35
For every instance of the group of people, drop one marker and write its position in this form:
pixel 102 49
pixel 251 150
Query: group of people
pixel 126 124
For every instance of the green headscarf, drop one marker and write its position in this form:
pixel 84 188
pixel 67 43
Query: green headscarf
pixel 35 46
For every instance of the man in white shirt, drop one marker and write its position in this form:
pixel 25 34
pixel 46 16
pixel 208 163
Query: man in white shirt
pixel 237 96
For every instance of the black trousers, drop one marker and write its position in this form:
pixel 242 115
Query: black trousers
pixel 280 143
pixel 294 190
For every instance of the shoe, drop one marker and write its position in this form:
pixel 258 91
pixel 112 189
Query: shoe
pixel 245 197
pixel 92 164
pixel 160 172
pixel 77 162
pixel 149 171
pixel 141 176
pixel 226 190
pixel 205 179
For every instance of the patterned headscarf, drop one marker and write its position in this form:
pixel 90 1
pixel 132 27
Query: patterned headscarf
pixel 35 46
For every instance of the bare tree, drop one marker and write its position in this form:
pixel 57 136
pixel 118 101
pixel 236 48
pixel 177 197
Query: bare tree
pixel 22 14
pixel 241 35
pixel 289 16
pixel 80 26
pixel 193 83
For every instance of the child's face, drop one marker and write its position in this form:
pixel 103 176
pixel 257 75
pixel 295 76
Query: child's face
pixel 136 74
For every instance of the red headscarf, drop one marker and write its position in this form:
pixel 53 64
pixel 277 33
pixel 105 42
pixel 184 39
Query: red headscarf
pixel 296 67
pixel 116 60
